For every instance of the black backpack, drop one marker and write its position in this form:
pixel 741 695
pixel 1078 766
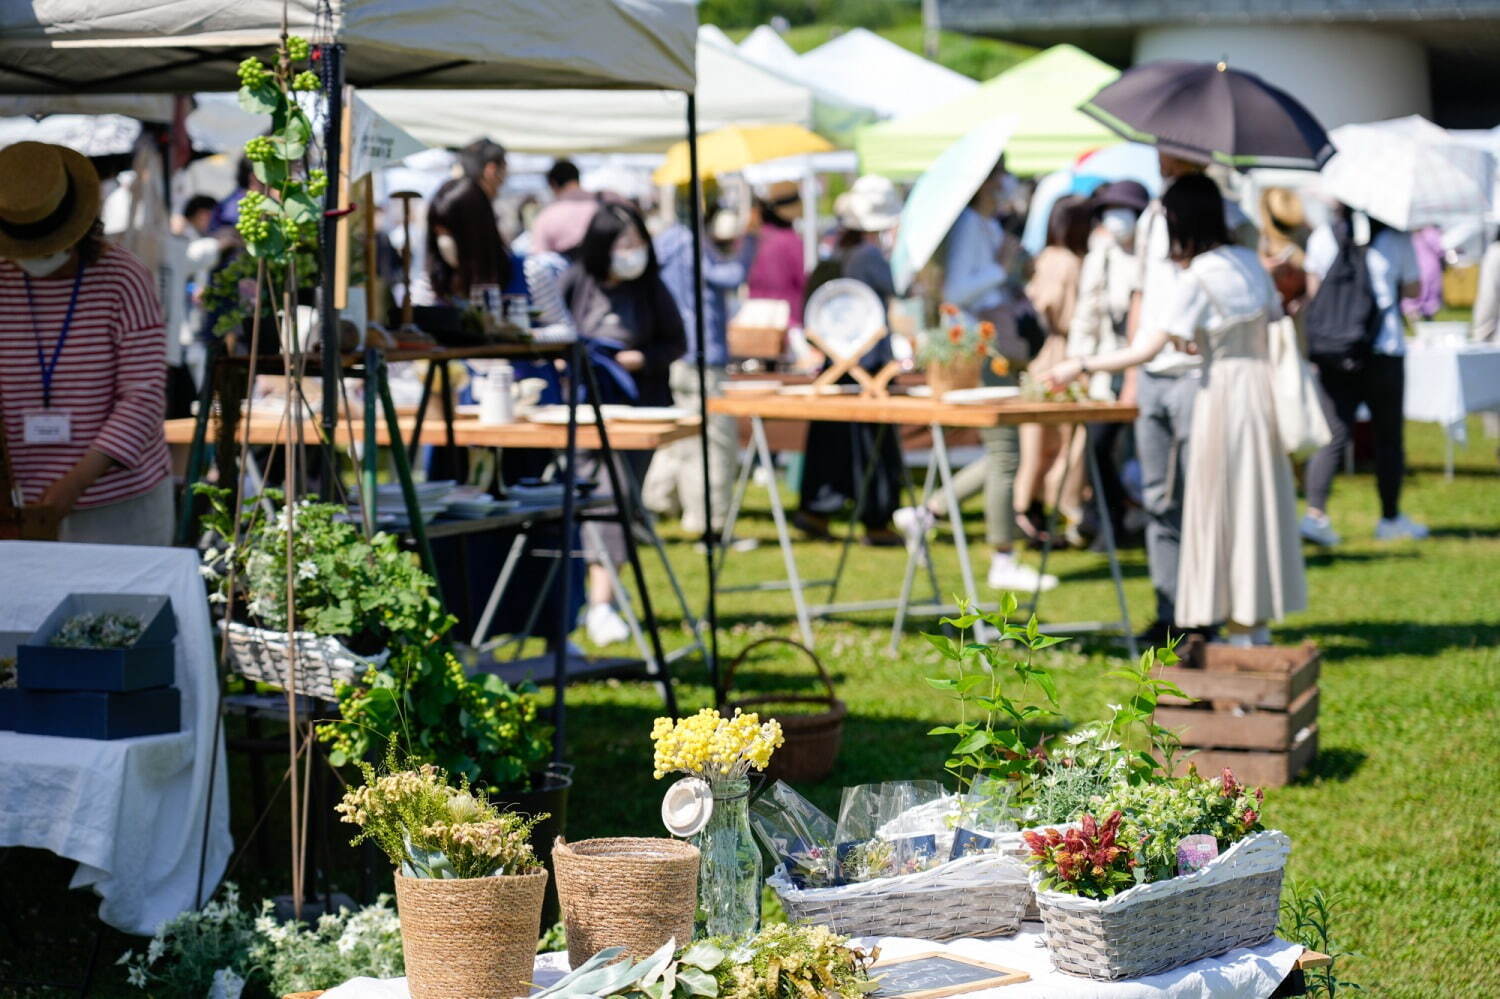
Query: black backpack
pixel 1343 319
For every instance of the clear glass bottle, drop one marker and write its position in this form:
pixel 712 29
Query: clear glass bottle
pixel 729 875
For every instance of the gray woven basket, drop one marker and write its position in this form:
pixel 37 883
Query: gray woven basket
pixel 980 896
pixel 261 655
pixel 1164 930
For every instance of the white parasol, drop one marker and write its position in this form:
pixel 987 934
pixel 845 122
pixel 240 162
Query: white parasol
pixel 1409 174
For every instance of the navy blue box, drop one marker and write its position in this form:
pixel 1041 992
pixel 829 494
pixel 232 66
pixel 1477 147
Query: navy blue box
pixel 92 714
pixel 150 662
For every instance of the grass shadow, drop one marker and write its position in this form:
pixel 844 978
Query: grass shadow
pixel 1336 764
pixel 1362 639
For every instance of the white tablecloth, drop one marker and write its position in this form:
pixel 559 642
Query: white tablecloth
pixel 1248 973
pixel 1445 383
pixel 130 811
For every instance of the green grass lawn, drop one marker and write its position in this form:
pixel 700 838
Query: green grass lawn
pixel 1396 817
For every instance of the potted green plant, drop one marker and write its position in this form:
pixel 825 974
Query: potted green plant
pixel 1175 870
pixel 468 885
pixel 423 704
pixel 356 597
pixel 954 352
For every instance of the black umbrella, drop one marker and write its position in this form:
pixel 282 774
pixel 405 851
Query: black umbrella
pixel 1206 111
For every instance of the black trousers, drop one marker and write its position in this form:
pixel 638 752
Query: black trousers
pixel 1381 385
pixel 833 467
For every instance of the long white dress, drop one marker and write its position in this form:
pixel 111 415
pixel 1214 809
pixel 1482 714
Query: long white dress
pixel 1241 557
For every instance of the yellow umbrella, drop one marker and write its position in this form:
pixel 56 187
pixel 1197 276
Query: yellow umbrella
pixel 730 149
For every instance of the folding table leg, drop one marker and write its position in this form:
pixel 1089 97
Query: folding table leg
pixel 748 461
pixel 799 600
pixel 592 539
pixel 956 519
pixel 492 605
pixel 913 555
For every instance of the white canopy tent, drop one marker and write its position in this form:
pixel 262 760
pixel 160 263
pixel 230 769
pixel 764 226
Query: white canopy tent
pixel 730 90
pixel 765 46
pixel 865 69
pixel 71 46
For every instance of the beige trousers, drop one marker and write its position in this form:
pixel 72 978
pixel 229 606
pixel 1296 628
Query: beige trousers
pixel 675 481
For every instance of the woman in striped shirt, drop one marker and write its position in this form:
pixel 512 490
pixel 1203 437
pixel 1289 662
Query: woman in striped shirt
pixel 82 349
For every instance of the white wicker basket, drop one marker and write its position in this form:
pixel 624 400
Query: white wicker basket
pixel 977 896
pixel 1231 902
pixel 261 654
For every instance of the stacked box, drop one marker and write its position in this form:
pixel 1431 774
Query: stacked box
pixel 1254 710
pixel 90 693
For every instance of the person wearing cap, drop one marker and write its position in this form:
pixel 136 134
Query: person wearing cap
pixel 82 356
pixel 1099 318
pixel 836 454
pixel 780 270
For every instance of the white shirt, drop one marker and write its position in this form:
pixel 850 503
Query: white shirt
pixel 1391 262
pixel 1222 286
pixel 1157 275
pixel 1105 284
pixel 973 279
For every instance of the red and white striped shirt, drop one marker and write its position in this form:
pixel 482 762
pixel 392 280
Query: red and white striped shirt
pixel 111 376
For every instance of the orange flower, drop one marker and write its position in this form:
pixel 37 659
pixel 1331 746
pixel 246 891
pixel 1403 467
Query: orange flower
pixel 980 349
pixel 1000 366
pixel 986 330
pixel 955 334
pixel 948 309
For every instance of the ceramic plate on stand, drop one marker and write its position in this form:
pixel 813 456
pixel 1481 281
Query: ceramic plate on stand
pixel 845 313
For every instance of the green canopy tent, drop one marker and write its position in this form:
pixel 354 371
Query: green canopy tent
pixel 1044 91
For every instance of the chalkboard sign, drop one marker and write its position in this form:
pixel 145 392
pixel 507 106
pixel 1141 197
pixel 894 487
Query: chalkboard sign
pixel 935 974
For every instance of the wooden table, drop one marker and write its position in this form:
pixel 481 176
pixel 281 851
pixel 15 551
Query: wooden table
pixel 467 432
pixel 1293 985
pixel 905 410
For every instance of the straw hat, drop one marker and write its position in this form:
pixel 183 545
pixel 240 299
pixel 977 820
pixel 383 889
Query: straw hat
pixel 49 197
pixel 784 197
pixel 1283 209
pixel 871 205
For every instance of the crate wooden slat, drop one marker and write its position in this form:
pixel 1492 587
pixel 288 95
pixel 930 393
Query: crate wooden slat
pixel 1206 728
pixel 1254 678
pixel 1257 768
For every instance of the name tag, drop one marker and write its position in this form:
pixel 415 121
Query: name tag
pixel 48 426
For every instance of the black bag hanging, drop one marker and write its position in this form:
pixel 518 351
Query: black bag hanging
pixel 1343 319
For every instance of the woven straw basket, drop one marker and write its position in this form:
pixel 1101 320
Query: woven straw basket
pixel 631 893
pixel 1232 902
pixel 470 938
pixel 261 654
pixel 977 896
pixel 812 740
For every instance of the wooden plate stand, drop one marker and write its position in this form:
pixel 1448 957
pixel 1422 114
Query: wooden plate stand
pixel 876 385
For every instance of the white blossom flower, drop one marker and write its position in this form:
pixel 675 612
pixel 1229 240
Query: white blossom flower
pixel 307 569
pixel 136 976
pixel 155 950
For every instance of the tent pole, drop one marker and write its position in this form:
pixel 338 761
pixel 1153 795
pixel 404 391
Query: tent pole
pixel 695 222
pixel 332 58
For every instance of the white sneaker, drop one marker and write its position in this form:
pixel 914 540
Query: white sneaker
pixel 604 625
pixel 1400 527
pixel 1008 574
pixel 915 522
pixel 1319 530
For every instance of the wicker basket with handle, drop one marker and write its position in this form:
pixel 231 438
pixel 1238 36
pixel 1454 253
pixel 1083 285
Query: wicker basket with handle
pixel 1231 902
pixel 812 738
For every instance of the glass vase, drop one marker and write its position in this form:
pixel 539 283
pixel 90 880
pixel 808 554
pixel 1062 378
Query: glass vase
pixel 729 869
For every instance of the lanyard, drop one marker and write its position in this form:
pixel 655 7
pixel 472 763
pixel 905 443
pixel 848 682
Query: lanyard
pixel 49 367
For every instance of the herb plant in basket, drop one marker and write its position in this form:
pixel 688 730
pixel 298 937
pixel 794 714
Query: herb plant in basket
pixel 468 885
pixel 1178 870
pixel 355 597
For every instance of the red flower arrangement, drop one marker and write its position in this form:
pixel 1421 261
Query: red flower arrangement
pixel 1087 861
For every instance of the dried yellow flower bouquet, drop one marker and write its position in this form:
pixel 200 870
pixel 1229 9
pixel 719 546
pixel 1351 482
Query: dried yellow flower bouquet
pixel 431 829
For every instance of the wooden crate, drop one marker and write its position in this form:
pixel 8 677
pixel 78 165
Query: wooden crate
pixel 1252 710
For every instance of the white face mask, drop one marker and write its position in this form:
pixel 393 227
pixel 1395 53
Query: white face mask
pixel 1120 222
pixel 627 265
pixel 448 249
pixel 40 267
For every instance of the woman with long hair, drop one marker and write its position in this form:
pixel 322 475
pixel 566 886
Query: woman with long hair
pixel 83 370
pixel 1241 563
